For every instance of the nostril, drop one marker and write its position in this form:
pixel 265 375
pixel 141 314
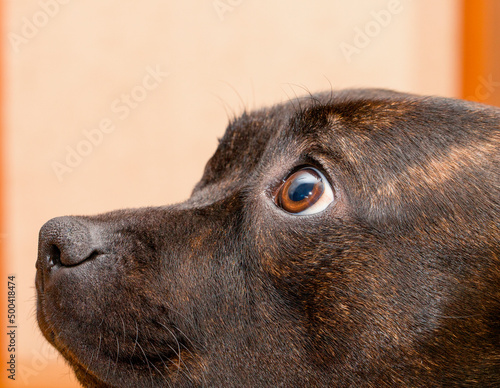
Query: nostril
pixel 67 242
pixel 54 256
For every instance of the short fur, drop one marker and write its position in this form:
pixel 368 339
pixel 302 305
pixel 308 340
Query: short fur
pixel 395 284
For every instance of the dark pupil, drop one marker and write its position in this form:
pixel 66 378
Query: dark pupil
pixel 302 188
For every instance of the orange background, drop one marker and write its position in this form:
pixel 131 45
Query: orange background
pixel 64 80
pixel 480 54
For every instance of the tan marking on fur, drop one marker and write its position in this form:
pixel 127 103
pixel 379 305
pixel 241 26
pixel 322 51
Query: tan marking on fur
pixel 334 119
pixel 440 170
pixel 199 241
pixel 377 115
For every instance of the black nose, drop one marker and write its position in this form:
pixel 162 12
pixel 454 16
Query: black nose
pixel 66 241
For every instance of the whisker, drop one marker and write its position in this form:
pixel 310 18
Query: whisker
pixel 95 351
pixel 117 353
pixel 136 338
pixel 178 344
pixel 147 363
pixel 123 326
pixel 163 362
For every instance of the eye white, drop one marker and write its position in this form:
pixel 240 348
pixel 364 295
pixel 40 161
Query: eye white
pixel 323 202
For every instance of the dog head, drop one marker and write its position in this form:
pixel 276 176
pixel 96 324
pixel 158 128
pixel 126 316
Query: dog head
pixel 341 239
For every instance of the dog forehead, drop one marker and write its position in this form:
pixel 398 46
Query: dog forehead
pixel 304 116
pixel 368 128
pixel 382 125
pixel 357 111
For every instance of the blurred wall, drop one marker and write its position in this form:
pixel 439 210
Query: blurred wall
pixel 119 103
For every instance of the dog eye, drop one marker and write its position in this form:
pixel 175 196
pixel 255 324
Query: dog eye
pixel 305 192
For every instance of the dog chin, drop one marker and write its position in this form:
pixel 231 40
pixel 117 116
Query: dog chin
pixel 107 371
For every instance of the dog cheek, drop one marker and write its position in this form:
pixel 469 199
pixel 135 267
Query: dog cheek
pixel 339 288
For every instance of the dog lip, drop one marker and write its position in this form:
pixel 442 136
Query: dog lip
pixel 175 356
pixel 169 364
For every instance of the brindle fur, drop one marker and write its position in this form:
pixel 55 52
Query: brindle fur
pixel 395 284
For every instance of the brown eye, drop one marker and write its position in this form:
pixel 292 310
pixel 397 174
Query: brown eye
pixel 305 192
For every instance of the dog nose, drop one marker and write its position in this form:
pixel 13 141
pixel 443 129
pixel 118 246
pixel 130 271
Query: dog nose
pixel 65 241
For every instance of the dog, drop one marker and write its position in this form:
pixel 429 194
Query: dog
pixel 341 239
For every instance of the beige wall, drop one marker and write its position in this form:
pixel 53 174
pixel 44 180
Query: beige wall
pixel 69 73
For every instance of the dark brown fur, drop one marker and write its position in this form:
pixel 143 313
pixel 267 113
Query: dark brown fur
pixel 395 284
